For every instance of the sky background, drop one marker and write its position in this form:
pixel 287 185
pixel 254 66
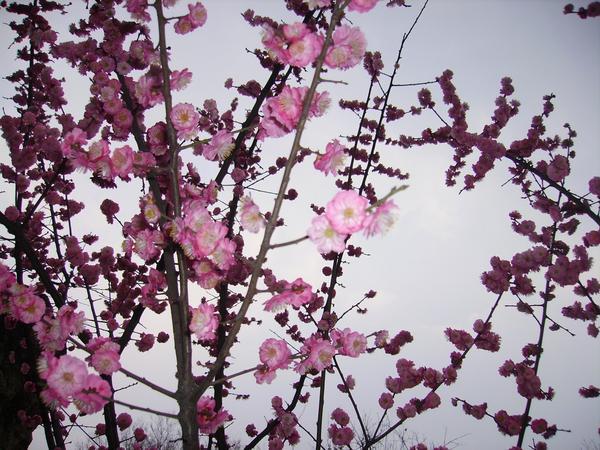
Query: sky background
pixel 426 269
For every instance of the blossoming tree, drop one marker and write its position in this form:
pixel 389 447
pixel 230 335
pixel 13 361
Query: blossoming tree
pixel 72 303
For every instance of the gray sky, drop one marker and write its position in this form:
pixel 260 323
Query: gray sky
pixel 427 268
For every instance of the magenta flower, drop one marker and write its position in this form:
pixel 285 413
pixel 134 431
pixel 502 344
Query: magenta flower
pixel 275 354
pixel 361 5
pixel 208 419
pixel 220 146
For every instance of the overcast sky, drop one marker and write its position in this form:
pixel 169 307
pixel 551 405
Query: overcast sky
pixel 426 270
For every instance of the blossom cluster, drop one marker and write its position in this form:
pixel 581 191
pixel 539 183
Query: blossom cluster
pixel 345 214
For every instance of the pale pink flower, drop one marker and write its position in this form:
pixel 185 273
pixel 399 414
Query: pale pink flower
pixel 381 220
pixel 205 240
pixel 275 354
pixel 361 5
pixel 122 161
pixel 296 294
pixel 322 234
pixel 24 305
pixel 264 375
pixel 208 419
pixel 68 376
pixel 250 217
pixel 340 436
pixel 204 322
pixel 293 44
pixel 348 342
pixel 220 146
pixel 196 215
pixel 73 141
pixel 349 45
pixel 332 160
pixel 148 244
pixel 197 14
pixel 147 91
pixel 319 354
pixel 185 120
pixel 183 25
pixel 346 212
pixel 105 355
pixel 97 152
pixel 180 79
pixel 93 396
pixel 223 256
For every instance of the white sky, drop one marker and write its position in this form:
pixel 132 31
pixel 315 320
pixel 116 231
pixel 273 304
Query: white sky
pixel 427 268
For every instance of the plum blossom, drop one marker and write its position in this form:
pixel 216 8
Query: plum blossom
pixel 332 160
pixel 293 44
pixel 348 342
pixel 104 355
pixel 220 146
pixel 250 216
pixel 281 113
pixel 381 220
pixel 24 305
pixel 185 120
pixel 93 396
pixel 275 354
pixel 73 142
pixel 361 6
pixel 347 212
pixel 204 322
pixel 319 354
pixel 322 233
pixel 208 419
pixel 67 376
pixel 295 294
pixel 349 45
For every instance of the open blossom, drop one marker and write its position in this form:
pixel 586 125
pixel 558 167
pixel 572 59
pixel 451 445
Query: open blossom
pixel 67 376
pixel 319 354
pixel 293 44
pixel 105 355
pixel 122 161
pixel 93 396
pixel 185 120
pixel 347 212
pixel 381 220
pixel 24 305
pixel 275 354
pixel 295 294
pixel 73 142
pixel 220 146
pixel 332 160
pixel 322 233
pixel 250 216
pixel 348 342
pixel 208 419
pixel 361 5
pixel 349 45
pixel 204 322
pixel 312 4
pixel 281 113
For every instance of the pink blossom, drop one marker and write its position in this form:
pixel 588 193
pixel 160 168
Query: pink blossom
pixel 347 212
pixel 361 5
pixel 349 45
pixel 224 255
pixel 73 142
pixel 24 305
pixel 197 14
pixel 558 169
pixel 93 396
pixel 204 322
pixel 293 44
pixel 250 216
pixel 319 355
pixel 325 237
pixel 220 146
pixel 122 161
pixel 340 416
pixel 68 376
pixel 386 400
pixel 340 435
pixel 296 294
pixel 105 355
pixel 275 354
pixel 594 186
pixel 185 120
pixel 183 25
pixel 124 421
pixel 332 160
pixel 208 419
pixel 381 220
pixel 147 244
pixel 348 342
pixel 205 241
